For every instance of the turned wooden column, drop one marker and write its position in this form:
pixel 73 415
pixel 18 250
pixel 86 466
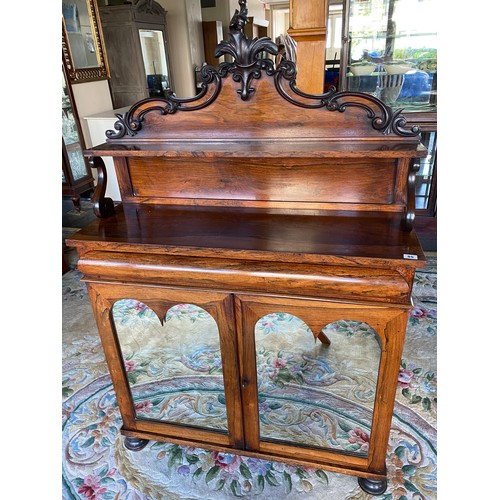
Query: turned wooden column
pixel 308 28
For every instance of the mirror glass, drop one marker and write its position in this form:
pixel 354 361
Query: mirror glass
pixel 83 52
pixel 155 61
pixel 173 366
pixel 80 34
pixel 318 395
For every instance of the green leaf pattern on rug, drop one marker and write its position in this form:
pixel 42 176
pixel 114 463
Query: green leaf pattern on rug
pixel 418 386
pixel 236 475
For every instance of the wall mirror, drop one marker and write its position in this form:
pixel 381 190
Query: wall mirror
pixel 83 51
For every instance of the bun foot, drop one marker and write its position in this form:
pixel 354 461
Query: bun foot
pixel 135 444
pixel 372 486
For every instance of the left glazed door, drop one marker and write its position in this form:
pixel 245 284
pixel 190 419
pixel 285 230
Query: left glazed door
pixel 172 355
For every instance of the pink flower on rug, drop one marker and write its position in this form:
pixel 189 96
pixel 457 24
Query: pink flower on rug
pixel 144 406
pixel 129 366
pixel 279 363
pixel 267 323
pixel 419 312
pixel 356 435
pixel 405 377
pixel 91 488
pixel 227 461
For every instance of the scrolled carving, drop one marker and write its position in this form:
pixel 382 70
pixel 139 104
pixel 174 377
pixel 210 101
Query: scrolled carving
pixel 248 66
pixel 131 122
pixel 287 71
pixel 149 7
pixel 103 207
pixel 398 124
pixel 383 118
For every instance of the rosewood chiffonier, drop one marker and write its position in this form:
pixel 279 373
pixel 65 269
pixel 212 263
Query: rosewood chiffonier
pixel 252 199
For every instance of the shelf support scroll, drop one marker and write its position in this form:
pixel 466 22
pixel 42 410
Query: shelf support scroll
pixel 409 217
pixel 103 207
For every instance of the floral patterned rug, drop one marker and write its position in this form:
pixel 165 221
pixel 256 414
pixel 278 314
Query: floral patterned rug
pixel 305 389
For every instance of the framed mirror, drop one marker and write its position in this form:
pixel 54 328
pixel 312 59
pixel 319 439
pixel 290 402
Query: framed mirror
pixel 83 50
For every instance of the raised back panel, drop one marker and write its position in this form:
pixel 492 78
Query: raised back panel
pixel 250 138
pixel 308 180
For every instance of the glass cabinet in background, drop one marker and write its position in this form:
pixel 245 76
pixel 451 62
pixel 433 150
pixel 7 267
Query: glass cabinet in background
pixel 390 51
pixel 388 48
pixel 76 174
pixel 425 179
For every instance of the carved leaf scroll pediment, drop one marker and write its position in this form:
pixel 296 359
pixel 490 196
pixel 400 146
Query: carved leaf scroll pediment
pixel 250 63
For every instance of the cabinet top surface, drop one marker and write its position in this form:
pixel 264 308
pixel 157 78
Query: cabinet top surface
pixel 347 238
pixel 271 148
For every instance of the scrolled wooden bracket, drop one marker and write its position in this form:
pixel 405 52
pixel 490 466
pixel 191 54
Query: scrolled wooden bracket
pixel 103 207
pixel 409 217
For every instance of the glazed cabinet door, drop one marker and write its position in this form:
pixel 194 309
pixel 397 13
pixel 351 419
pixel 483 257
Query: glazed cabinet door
pixel 172 359
pixel 319 378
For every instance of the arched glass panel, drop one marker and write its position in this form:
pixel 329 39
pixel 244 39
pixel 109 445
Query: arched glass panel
pixel 174 369
pixel 313 393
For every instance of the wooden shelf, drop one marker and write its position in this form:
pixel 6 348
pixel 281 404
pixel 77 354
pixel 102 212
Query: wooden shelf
pixel 273 235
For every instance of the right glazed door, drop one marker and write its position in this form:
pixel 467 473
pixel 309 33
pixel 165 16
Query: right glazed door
pixel 318 378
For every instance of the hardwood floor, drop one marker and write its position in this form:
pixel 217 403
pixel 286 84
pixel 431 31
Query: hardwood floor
pixel 426 229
